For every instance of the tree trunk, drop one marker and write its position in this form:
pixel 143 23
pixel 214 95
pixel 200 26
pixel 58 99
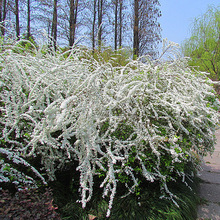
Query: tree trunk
pixel 146 28
pixel 0 10
pixel 3 17
pixel 93 25
pixel 120 23
pixel 116 24
pixel 72 21
pixel 136 29
pixel 100 15
pixel 28 20
pixel 17 19
pixel 54 24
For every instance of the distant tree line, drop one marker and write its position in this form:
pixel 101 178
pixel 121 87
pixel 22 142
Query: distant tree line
pixel 115 23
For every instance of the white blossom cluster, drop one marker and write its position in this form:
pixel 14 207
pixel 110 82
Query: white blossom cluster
pixel 9 174
pixel 70 107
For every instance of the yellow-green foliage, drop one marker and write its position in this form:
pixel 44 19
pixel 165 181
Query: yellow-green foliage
pixel 203 47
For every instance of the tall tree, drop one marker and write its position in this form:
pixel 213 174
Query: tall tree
pixel 72 21
pixel 1 3
pixel 120 22
pixel 93 24
pixel 116 24
pixel 136 28
pixel 4 16
pixel 100 17
pixel 42 15
pixel 17 19
pixel 146 27
pixel 28 20
pixel 54 24
pixel 203 47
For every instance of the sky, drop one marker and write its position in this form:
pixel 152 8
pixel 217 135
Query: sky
pixel 178 15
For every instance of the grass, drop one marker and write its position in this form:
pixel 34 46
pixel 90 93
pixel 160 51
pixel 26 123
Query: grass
pixel 147 205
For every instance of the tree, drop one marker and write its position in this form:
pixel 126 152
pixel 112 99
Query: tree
pixel 100 17
pixel 97 22
pixel 2 15
pixel 93 25
pixel 72 21
pixel 17 18
pixel 136 28
pixel 54 24
pixel 106 22
pixel 118 23
pixel 42 16
pixel 146 28
pixel 28 20
pixel 203 47
pixel 0 10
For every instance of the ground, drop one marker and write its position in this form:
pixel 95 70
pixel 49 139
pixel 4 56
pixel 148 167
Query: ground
pixel 210 185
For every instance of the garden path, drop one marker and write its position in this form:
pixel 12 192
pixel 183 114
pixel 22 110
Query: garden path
pixel 210 185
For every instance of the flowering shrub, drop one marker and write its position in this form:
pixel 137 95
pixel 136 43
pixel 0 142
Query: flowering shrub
pixel 119 123
pixel 16 175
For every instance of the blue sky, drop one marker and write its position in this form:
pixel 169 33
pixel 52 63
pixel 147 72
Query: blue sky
pixel 178 15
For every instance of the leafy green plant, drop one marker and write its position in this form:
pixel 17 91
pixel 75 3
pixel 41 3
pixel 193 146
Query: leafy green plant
pixel 17 171
pixel 144 205
pixel 27 204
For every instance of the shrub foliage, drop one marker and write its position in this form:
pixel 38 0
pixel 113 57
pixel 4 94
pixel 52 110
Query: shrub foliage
pixel 27 204
pixel 124 124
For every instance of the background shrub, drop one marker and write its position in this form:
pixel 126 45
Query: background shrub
pixel 27 204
